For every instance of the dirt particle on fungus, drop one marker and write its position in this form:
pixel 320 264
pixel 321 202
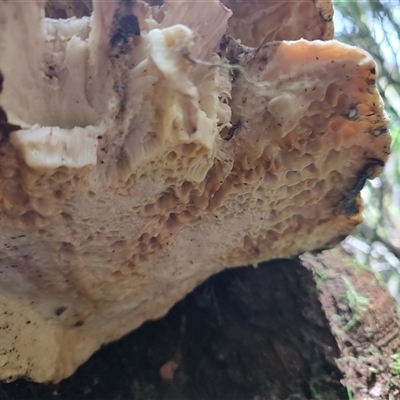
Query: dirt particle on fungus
pixel 370 81
pixel 379 131
pixel 233 130
pixel 60 310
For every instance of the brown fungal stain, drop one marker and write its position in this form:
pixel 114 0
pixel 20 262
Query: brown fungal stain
pixel 231 50
pixel 224 43
pixel 5 127
pixel 232 131
pixel 128 26
pixel 351 203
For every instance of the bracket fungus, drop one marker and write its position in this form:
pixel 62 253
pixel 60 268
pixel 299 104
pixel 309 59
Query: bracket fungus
pixel 146 146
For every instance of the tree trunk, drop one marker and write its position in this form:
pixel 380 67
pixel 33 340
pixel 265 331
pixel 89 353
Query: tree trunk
pixel 313 327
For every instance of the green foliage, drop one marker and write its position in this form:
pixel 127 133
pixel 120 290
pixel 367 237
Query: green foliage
pixel 395 131
pixel 349 393
pixel 321 276
pixel 357 302
pixel 395 367
pixel 374 25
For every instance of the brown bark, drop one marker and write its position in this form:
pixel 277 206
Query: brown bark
pixel 365 348
pixel 272 332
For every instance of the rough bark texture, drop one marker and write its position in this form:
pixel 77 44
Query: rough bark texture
pixel 272 332
pixel 372 336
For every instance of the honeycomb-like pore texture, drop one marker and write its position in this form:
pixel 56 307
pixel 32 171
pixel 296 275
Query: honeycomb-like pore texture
pixel 134 164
